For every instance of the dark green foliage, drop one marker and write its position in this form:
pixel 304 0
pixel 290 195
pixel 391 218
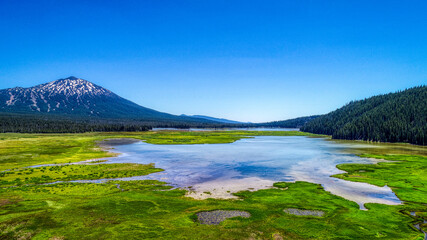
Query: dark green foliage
pixel 54 124
pixel 43 123
pixel 393 117
pixel 290 123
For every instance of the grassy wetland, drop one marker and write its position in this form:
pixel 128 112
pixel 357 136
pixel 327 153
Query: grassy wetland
pixel 32 209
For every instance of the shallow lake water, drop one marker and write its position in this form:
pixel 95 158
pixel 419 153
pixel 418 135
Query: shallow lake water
pixel 253 163
pixel 225 129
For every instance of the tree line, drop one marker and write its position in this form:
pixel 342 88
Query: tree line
pixel 393 117
pixel 42 123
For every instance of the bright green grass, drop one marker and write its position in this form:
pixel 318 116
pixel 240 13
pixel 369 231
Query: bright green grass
pixel 50 174
pixel 405 174
pixel 141 211
pixel 149 209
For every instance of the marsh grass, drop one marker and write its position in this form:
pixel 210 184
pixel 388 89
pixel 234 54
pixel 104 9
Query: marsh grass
pixel 150 209
pixel 51 174
pixel 146 209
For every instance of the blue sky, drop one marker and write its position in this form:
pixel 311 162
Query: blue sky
pixel 242 60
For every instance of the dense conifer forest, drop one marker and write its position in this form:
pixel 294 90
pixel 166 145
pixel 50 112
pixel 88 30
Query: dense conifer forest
pixel 290 123
pixel 49 124
pixel 393 117
pixel 43 123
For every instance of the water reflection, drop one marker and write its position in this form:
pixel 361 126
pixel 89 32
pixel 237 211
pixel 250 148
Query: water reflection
pixel 254 163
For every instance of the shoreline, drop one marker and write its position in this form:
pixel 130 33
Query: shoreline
pixel 225 187
pixel 214 188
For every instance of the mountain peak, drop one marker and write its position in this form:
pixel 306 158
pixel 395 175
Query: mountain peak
pixel 69 78
pixel 73 86
pixel 65 94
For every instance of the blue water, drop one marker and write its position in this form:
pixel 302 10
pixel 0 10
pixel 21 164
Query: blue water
pixel 227 129
pixel 292 158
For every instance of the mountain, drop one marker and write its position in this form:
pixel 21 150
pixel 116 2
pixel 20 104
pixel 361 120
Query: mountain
pixel 220 120
pixel 393 117
pixel 74 96
pixel 73 99
pixel 290 123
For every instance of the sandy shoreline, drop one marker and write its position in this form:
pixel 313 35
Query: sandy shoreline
pixel 224 188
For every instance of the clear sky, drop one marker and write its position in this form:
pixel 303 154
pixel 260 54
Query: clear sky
pixel 243 60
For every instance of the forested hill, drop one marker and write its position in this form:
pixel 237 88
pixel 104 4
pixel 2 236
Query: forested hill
pixel 290 123
pixel 393 117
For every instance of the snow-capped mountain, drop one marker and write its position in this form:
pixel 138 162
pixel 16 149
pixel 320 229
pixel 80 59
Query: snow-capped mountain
pixel 62 95
pixel 75 97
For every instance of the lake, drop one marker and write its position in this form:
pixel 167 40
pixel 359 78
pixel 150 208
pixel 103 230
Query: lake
pixel 217 170
pixel 225 129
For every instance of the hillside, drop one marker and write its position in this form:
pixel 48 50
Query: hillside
pixel 290 123
pixel 393 117
pixel 76 97
pixel 74 105
pixel 220 120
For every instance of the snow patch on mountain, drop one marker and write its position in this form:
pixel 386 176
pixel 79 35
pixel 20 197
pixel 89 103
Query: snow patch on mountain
pixel 53 95
pixel 11 100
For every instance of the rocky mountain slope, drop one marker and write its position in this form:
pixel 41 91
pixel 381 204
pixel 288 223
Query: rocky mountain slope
pixel 72 96
pixel 75 97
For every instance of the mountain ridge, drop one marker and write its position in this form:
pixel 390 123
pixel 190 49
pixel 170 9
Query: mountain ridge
pixel 221 120
pixel 77 97
pixel 62 96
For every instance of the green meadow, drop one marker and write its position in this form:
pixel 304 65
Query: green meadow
pixel 30 208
